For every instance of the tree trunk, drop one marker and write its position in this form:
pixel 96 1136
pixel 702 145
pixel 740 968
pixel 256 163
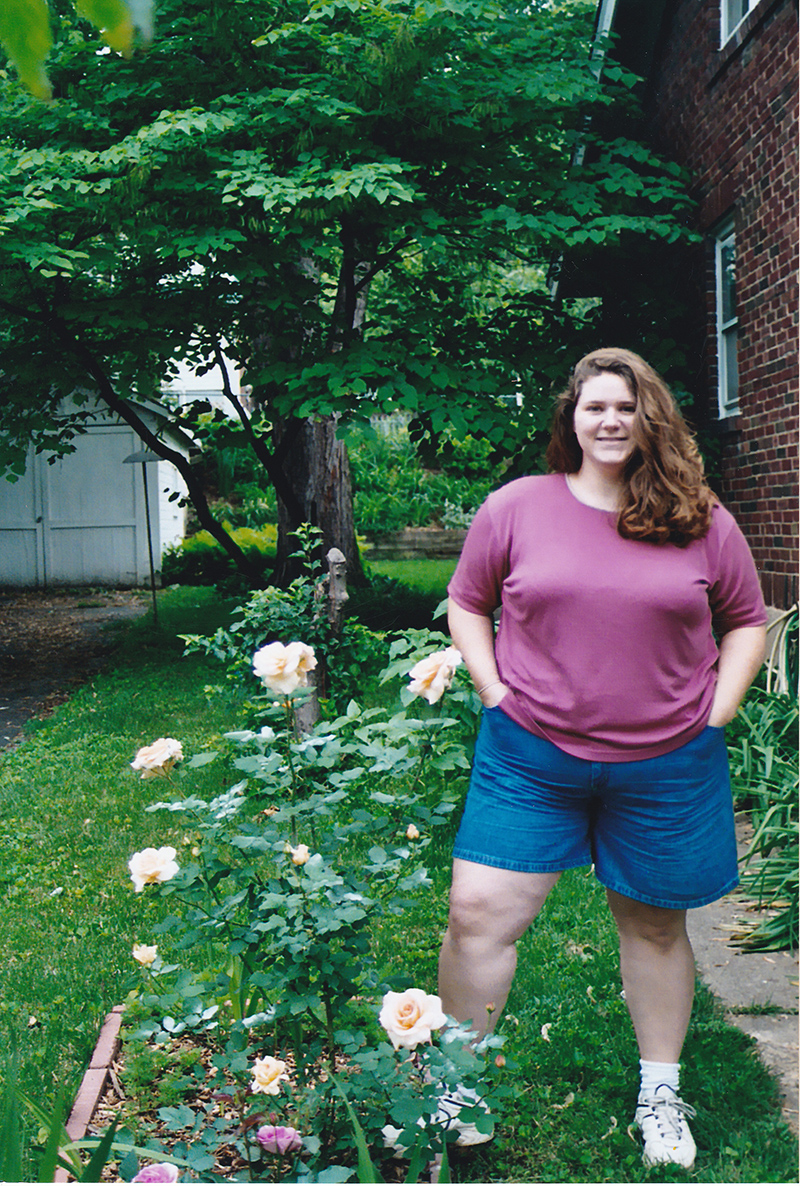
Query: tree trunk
pixel 316 463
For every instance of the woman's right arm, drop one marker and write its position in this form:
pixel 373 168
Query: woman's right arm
pixel 473 636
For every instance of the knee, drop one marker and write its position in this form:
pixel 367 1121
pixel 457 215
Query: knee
pixel 472 913
pixel 662 935
pixel 662 930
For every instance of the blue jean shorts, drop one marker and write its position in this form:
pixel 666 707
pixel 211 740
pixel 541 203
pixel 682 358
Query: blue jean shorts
pixel 659 830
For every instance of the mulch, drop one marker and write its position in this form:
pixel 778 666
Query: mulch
pixel 53 642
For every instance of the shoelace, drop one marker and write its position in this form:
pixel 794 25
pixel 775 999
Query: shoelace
pixel 668 1112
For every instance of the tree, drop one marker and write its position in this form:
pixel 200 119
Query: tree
pixel 321 188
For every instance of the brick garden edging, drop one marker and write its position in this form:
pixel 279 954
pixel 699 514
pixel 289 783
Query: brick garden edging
pixel 93 1082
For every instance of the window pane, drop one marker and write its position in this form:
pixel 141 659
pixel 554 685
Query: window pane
pixel 733 12
pixel 727 268
pixel 730 393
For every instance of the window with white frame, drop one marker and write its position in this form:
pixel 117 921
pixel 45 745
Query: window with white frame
pixel 732 13
pixel 727 321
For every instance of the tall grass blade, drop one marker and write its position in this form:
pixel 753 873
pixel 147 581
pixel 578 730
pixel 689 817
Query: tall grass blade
pixel 10 1137
pixel 366 1167
pixel 99 1158
pixel 444 1172
pixel 55 1135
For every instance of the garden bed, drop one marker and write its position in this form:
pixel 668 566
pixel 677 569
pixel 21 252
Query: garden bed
pixel 428 543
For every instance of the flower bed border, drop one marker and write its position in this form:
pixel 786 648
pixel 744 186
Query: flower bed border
pixel 94 1082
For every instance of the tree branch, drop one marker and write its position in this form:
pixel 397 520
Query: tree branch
pixel 270 460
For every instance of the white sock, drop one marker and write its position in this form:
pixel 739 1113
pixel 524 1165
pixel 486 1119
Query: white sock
pixel 654 1074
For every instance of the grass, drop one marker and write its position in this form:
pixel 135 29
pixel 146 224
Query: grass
pixel 427 576
pixel 71 814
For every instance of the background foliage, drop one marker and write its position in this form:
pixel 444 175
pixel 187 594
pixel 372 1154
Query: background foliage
pixel 358 201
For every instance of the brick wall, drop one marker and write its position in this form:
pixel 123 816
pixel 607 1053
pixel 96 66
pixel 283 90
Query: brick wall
pixel 730 115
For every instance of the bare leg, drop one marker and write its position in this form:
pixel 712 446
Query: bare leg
pixel 657 967
pixel 489 910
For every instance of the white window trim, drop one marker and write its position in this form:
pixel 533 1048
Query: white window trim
pixel 727 27
pixel 726 328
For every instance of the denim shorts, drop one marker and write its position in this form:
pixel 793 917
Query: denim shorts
pixel 659 830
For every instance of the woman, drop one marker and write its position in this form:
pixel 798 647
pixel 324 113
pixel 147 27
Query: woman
pixel 632 625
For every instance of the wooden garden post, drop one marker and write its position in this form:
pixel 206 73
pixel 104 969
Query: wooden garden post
pixel 333 589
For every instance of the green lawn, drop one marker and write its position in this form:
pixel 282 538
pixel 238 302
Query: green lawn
pixel 71 814
pixel 428 576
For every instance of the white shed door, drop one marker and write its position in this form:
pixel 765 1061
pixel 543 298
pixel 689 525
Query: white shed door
pixel 21 535
pixel 90 501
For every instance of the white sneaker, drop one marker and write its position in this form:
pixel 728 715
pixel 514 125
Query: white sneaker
pixel 451 1104
pixel 662 1119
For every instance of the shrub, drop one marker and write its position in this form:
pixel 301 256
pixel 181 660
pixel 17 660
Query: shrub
pixel 764 767
pixel 387 604
pixel 201 560
pixel 392 489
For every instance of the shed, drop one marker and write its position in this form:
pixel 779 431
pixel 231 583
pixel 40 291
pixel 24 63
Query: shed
pixel 81 519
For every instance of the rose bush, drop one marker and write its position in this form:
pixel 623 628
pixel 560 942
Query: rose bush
pixel 289 870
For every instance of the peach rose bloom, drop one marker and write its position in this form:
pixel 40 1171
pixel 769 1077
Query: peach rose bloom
pixel 300 854
pixel 144 955
pixel 267 1074
pixel 156 760
pixel 281 668
pixel 432 676
pixel 151 865
pixel 408 1017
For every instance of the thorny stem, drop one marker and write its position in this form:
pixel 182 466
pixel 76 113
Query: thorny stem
pixel 425 749
pixel 287 705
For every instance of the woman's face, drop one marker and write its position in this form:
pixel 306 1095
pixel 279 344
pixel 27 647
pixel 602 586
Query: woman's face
pixel 603 422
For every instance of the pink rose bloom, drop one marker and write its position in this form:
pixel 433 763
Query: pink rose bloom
pixel 432 676
pixel 277 1138
pixel 162 1171
pixel 281 668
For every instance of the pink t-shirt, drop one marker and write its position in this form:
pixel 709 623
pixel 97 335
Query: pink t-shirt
pixel 605 643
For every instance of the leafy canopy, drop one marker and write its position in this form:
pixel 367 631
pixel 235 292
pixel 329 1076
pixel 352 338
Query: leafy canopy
pixel 359 199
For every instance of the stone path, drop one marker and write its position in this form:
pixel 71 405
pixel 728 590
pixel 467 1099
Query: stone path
pixel 52 642
pixel 758 989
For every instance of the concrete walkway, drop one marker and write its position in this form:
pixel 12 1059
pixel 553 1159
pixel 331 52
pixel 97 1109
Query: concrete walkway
pixel 758 989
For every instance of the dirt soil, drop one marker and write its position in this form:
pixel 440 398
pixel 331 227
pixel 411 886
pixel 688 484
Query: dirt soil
pixel 51 643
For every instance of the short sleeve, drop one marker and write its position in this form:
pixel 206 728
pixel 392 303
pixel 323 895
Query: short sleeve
pixel 477 583
pixel 735 593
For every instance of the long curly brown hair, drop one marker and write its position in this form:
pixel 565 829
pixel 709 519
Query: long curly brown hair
pixel 665 496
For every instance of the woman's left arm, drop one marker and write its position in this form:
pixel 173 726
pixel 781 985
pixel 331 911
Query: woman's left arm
pixel 741 653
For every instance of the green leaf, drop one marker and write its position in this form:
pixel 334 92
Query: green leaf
pixel 100 1156
pixel 25 35
pixel 366 1169
pixel 55 1136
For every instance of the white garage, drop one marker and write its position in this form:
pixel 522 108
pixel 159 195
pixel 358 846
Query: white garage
pixel 83 519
